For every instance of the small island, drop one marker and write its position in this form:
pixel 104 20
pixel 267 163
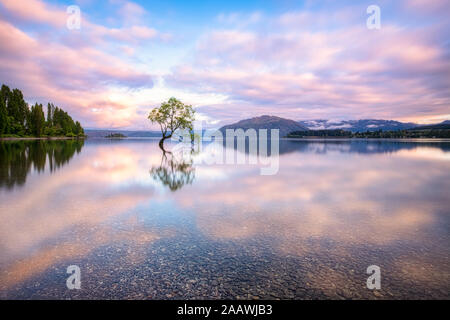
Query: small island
pixel 19 121
pixel 115 136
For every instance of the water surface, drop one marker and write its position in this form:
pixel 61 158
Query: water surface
pixel 141 224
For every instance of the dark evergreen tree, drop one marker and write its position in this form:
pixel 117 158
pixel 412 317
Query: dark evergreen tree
pixel 78 129
pixel 5 93
pixel 6 121
pixel 50 109
pixel 3 118
pixel 37 120
pixel 18 110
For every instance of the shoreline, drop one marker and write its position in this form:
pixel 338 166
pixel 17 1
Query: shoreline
pixel 282 138
pixel 39 138
pixel 363 139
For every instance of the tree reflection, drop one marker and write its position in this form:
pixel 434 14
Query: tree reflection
pixel 17 158
pixel 174 171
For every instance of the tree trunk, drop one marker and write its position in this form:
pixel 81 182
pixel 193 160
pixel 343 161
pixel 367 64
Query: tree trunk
pixel 161 142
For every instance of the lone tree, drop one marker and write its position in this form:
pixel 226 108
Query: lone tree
pixel 171 116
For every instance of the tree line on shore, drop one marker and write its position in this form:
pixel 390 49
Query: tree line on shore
pixel 17 119
pixel 379 134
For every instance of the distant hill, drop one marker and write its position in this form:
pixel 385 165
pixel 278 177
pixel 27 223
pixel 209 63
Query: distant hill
pixel 362 125
pixel 439 126
pixel 267 122
pixel 101 133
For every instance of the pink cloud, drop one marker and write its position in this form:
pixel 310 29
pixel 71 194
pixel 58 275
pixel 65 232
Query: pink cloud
pixel 312 71
pixel 35 11
pixel 80 74
pixel 301 65
pixel 131 12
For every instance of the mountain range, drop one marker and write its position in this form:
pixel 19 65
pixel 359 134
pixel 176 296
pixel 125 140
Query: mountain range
pixel 287 126
pixel 362 125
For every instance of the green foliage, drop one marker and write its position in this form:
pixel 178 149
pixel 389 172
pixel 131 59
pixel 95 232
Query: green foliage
pixel 63 124
pixel 18 109
pixel 16 119
pixel 79 131
pixel 50 112
pixel 4 121
pixel 171 116
pixel 37 120
pixel 411 134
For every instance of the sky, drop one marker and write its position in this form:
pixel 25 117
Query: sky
pixel 231 60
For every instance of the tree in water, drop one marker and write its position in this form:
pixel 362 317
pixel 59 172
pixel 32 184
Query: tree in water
pixel 171 116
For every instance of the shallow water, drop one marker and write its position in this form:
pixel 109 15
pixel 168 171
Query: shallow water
pixel 143 225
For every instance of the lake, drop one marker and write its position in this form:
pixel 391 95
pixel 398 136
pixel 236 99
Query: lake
pixel 141 224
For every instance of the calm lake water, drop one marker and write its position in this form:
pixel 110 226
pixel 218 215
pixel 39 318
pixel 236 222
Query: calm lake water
pixel 143 225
